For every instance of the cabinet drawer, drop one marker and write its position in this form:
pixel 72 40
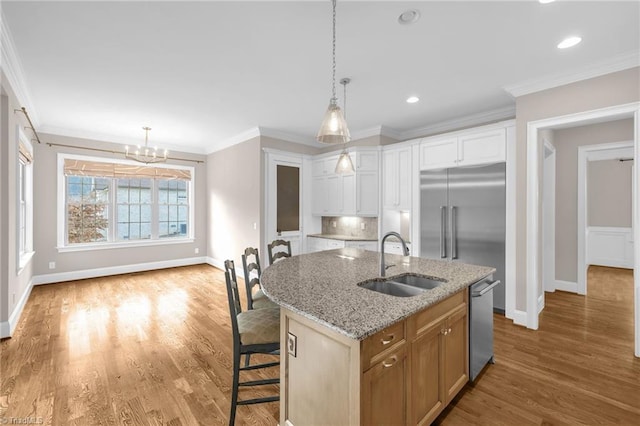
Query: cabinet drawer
pixel 390 337
pixel 432 315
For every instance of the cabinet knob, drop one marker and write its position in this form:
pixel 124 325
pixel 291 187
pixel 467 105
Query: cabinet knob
pixel 388 339
pixel 392 360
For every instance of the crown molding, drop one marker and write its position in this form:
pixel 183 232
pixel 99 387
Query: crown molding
pixel 617 63
pixel 251 133
pixel 289 137
pixel 12 68
pixel 462 122
pixel 96 136
pixel 376 131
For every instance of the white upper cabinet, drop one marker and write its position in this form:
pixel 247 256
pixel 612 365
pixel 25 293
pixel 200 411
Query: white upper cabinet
pixel 439 154
pixel 486 147
pixel 396 178
pixel 354 194
pixel 463 150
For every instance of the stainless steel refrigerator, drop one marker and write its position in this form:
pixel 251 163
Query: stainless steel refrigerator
pixel 462 218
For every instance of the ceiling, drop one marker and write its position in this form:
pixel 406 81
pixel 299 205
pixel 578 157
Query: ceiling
pixel 202 73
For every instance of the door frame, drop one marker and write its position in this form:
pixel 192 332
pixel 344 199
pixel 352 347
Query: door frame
pixel 274 158
pixel 548 229
pixel 533 261
pixel 586 153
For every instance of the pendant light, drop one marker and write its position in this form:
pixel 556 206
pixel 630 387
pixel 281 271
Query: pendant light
pixel 334 127
pixel 344 164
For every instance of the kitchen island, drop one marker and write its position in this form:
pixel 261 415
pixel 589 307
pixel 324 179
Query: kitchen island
pixel 350 355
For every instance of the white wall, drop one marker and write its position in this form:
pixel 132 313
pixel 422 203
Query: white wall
pixel 15 285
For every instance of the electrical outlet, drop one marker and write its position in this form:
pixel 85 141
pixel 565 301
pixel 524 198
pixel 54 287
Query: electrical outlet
pixel 333 223
pixel 255 226
pixel 52 265
pixel 363 226
pixel 197 250
pixel 292 345
pixel 14 298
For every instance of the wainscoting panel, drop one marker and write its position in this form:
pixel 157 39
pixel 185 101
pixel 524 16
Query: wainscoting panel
pixel 608 246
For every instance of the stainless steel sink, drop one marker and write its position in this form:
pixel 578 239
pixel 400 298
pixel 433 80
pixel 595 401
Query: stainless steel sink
pixel 402 286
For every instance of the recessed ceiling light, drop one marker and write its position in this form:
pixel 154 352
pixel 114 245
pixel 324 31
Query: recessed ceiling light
pixel 569 42
pixel 410 16
pixel 412 99
pixel 546 1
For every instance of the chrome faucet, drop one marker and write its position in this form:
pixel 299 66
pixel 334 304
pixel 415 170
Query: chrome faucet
pixel 405 250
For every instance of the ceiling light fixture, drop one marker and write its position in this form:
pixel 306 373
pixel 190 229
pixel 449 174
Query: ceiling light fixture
pixel 569 42
pixel 334 127
pixel 546 1
pixel 145 154
pixel 344 164
pixel 410 16
pixel 412 99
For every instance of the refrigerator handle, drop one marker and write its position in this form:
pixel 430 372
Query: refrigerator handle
pixel 443 242
pixel 454 236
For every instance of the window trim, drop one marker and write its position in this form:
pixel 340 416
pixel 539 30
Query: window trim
pixel 62 245
pixel 24 257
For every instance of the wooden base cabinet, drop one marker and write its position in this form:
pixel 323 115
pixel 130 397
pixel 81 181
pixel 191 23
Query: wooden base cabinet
pixel 405 374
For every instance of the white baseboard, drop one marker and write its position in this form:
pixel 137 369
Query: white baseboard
pixel 115 270
pixel 520 317
pixel 8 327
pixel 568 286
pixel 217 263
pixel 540 303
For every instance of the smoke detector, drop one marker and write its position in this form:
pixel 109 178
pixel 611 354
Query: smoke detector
pixel 408 17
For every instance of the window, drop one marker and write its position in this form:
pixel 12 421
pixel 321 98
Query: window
pixel 113 204
pixel 24 200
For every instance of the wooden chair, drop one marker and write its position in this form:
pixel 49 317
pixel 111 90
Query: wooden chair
pixel 252 272
pixel 276 254
pixel 254 331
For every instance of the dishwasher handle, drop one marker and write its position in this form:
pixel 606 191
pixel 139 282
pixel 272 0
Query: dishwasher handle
pixel 485 289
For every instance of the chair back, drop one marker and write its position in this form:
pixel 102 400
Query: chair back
pixel 278 250
pixel 233 295
pixel 252 272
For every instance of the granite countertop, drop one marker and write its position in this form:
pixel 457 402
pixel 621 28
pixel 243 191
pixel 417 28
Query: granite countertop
pixel 342 237
pixel 323 287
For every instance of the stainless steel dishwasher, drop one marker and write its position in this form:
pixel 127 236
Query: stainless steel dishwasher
pixel 481 325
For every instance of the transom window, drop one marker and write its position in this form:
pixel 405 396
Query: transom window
pixel 111 203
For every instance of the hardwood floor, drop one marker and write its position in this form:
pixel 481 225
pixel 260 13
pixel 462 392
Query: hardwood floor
pixel 578 368
pixel 155 348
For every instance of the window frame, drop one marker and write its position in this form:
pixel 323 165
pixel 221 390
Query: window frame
pixel 112 241
pixel 24 202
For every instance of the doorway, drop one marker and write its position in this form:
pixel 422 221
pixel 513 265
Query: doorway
pixel 534 219
pixel 283 200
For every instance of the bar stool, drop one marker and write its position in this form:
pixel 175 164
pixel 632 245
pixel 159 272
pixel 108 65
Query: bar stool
pixel 275 253
pixel 254 332
pixel 252 272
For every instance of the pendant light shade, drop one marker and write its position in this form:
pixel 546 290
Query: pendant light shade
pixel 344 165
pixel 334 126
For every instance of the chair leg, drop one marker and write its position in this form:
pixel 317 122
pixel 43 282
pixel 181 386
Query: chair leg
pixel 234 389
pixel 247 360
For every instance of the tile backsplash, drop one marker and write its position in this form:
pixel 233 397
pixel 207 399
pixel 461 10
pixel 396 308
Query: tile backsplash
pixel 351 226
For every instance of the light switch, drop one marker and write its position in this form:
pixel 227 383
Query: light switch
pixel 292 344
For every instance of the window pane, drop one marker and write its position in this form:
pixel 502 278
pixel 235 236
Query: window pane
pixel 183 211
pixel 163 213
pixel 123 231
pixel 123 213
pixel 145 213
pixel 173 213
pixel 87 212
pixel 134 213
pixel 145 230
pixel 163 230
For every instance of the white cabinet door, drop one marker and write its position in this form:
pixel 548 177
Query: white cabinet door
pixel 482 148
pixel 348 195
pixel 315 244
pixel 404 179
pixel 367 194
pixel 390 179
pixel 317 168
pixel 367 161
pixel 439 154
pixel 334 244
pixel 319 196
pixel 334 194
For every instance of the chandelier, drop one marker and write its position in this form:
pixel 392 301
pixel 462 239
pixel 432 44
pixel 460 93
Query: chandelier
pixel 146 154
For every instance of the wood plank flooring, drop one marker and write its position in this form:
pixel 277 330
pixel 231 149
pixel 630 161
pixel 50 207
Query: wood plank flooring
pixel 154 348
